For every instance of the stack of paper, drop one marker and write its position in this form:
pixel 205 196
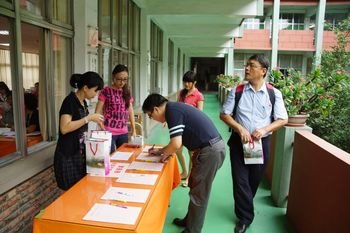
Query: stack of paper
pixel 135 178
pixel 126 194
pixel 119 155
pixel 120 214
pixel 145 166
pixel 148 158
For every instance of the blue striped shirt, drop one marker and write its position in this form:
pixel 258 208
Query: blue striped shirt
pixel 254 108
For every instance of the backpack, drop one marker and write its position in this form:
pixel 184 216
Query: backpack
pixel 238 95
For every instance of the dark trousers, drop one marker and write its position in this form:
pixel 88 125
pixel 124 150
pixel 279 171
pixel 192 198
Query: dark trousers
pixel 246 178
pixel 205 164
pixel 118 140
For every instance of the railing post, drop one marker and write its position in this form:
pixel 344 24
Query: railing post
pixel 282 164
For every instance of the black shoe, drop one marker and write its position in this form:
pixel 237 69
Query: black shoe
pixel 241 227
pixel 181 222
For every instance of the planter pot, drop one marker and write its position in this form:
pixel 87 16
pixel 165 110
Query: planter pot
pixel 297 120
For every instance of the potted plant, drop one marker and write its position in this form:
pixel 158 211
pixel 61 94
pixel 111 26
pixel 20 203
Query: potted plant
pixel 226 82
pixel 304 95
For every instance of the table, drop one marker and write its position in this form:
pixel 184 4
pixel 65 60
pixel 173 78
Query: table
pixel 65 214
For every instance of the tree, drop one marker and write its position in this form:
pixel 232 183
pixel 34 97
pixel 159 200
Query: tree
pixel 335 64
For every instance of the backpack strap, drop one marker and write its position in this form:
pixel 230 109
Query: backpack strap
pixel 238 95
pixel 272 96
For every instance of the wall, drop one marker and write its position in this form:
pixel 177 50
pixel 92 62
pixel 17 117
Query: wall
pixel 254 39
pixel 319 194
pixel 19 205
pixel 296 40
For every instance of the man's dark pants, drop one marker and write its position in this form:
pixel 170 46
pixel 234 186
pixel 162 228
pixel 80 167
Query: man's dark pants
pixel 205 164
pixel 246 178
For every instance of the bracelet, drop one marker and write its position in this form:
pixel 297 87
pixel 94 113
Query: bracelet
pixel 86 120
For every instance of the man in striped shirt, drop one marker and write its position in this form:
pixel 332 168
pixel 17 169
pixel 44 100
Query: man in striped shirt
pixel 190 127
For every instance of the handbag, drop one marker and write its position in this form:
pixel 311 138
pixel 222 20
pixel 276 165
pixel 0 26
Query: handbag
pixel 253 152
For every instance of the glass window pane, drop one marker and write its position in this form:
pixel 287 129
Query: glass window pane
pixel 124 24
pixel 6 105
pixel 105 20
pixel 136 29
pixel 62 11
pixel 105 65
pixel 36 7
pixel 32 57
pixel 116 23
pixel 62 70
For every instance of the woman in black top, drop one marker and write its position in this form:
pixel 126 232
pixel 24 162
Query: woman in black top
pixel 69 160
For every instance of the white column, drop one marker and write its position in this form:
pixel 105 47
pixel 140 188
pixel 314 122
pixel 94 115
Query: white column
pixel 319 31
pixel 274 35
pixel 230 61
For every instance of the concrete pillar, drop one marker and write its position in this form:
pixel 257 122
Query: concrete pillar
pixel 275 30
pixel 319 31
pixel 282 164
pixel 230 61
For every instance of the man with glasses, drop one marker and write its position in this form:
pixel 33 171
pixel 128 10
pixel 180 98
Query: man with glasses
pixel 190 127
pixel 252 122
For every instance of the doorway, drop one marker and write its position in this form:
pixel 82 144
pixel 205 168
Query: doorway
pixel 207 69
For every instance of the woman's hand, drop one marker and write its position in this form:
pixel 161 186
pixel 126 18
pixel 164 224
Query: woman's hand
pixel 97 118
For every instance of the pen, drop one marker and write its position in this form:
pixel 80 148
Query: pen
pixel 150 161
pixel 152 147
pixel 120 206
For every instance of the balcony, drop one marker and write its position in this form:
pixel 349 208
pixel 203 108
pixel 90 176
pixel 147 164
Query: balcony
pixel 289 40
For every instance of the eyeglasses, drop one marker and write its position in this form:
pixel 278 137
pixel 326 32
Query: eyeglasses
pixel 251 65
pixel 122 80
pixel 150 114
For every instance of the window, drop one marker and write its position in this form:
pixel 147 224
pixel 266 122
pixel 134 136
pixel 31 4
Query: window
pixel 62 11
pixel 36 7
pixel 62 70
pixel 7 122
pixel 156 56
pixel 105 20
pixel 286 61
pixel 123 26
pixel 171 88
pixel 333 19
pixel 37 72
pixel 253 23
pixel 291 21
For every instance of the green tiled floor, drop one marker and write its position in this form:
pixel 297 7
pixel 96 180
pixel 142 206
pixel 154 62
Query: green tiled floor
pixel 220 217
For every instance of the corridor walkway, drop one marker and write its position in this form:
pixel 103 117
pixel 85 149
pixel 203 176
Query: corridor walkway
pixel 220 217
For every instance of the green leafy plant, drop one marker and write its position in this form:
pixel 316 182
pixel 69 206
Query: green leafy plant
pixel 228 81
pixel 306 94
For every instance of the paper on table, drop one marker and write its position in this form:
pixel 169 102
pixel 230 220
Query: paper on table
pixel 113 213
pixel 118 169
pixel 126 194
pixel 148 158
pixel 119 155
pixel 145 166
pixel 146 148
pixel 134 178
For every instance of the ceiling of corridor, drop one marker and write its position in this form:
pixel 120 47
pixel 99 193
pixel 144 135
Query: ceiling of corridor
pixel 201 28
